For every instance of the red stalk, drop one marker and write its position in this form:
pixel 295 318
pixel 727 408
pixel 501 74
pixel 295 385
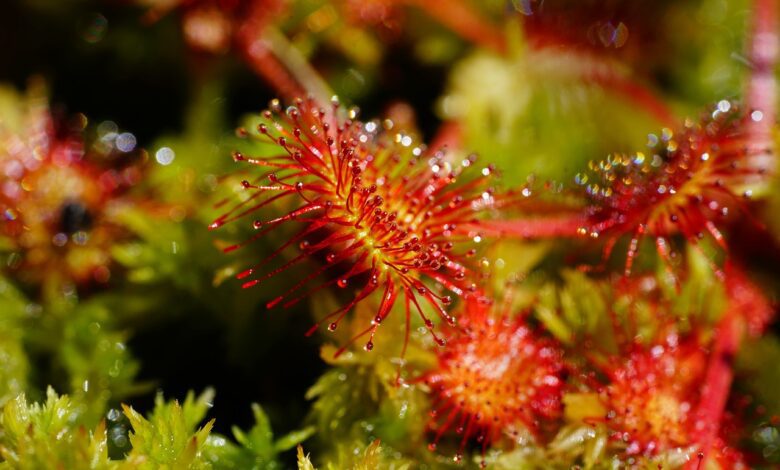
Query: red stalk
pixel 263 63
pixel 465 21
pixel 636 94
pixel 449 136
pixel 531 228
pixel 746 305
pixel 717 383
pixel 268 54
pixel 761 93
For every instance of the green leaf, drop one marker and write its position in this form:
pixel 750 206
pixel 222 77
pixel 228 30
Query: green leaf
pixel 36 436
pixel 14 370
pixel 290 440
pixel 168 439
pixel 257 449
pixel 303 460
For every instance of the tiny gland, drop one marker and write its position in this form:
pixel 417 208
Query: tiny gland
pixel 379 213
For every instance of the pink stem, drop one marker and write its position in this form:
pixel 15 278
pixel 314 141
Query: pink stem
pixel 761 93
pixel 533 228
pixel 465 21
pixel 717 383
pixel 449 137
pixel 257 53
pixel 746 305
pixel 635 93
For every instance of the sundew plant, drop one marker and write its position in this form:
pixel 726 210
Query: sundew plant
pixel 384 234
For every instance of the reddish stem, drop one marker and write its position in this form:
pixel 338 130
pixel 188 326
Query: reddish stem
pixel 634 93
pixel 717 383
pixel 449 136
pixel 256 52
pixel 761 93
pixel 746 305
pixel 465 21
pixel 265 64
pixel 533 228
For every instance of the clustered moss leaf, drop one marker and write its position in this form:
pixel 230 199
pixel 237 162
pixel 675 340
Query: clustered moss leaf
pixel 48 435
pixel 14 370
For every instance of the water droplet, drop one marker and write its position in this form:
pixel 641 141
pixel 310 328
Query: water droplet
pixel 330 258
pixel 257 224
pixel 118 436
pixel 343 282
pixel 333 326
pixel 369 346
pixel 113 414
